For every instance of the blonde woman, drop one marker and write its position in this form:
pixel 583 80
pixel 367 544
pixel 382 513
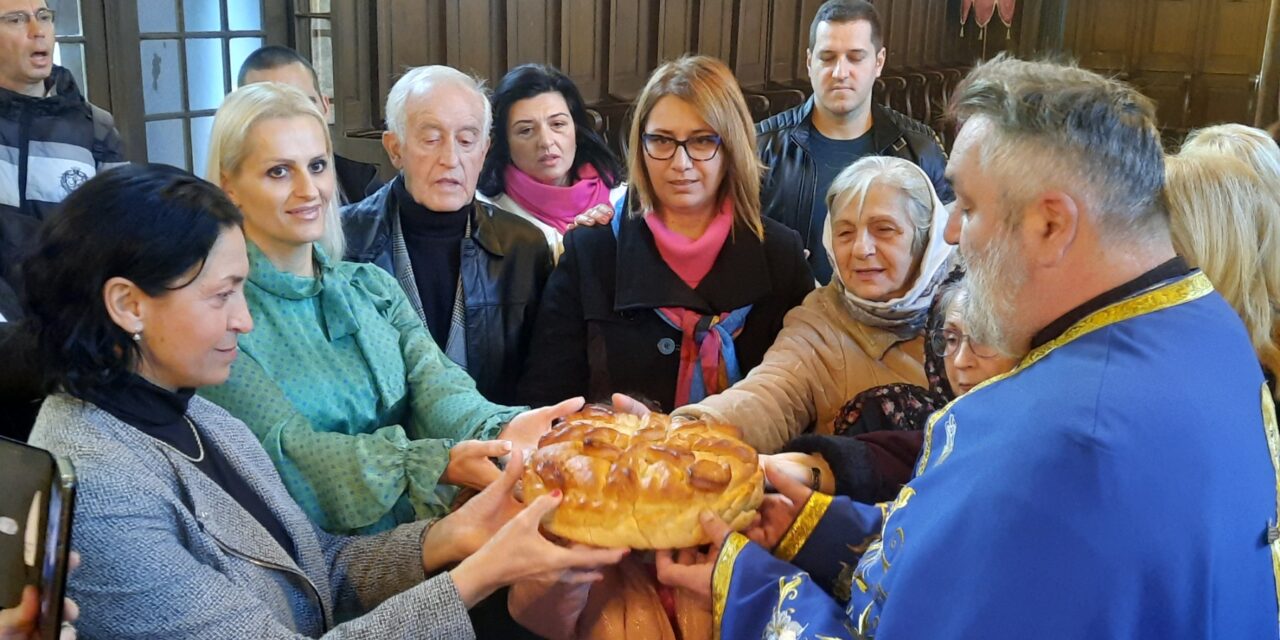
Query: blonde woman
pixel 347 391
pixel 1259 150
pixel 684 292
pixel 1224 215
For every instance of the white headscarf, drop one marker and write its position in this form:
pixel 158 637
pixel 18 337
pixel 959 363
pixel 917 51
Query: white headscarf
pixel 904 316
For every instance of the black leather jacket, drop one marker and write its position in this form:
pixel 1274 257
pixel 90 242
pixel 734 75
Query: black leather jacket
pixel 789 182
pixel 505 265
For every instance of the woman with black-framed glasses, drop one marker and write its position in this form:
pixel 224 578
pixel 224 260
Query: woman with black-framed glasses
pixel 684 292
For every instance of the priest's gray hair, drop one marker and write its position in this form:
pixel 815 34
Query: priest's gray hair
pixel 420 81
pixel 1057 126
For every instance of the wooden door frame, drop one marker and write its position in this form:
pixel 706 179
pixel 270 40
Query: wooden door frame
pixel 1267 107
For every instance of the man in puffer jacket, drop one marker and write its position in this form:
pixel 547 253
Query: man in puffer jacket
pixel 51 139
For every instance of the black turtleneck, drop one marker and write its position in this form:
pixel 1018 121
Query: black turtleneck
pixel 434 241
pixel 161 414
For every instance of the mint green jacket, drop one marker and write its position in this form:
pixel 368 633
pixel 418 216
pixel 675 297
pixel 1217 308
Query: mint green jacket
pixel 350 395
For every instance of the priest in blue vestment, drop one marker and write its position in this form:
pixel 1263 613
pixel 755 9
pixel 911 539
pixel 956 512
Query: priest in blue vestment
pixel 1120 482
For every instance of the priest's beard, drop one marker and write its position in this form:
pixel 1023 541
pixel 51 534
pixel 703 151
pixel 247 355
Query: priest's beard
pixel 994 278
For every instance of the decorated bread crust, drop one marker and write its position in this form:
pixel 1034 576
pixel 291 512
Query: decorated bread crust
pixel 641 482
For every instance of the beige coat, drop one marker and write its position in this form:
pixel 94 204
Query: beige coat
pixel 820 360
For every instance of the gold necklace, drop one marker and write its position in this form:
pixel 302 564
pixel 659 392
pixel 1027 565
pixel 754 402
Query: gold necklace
pixel 198 458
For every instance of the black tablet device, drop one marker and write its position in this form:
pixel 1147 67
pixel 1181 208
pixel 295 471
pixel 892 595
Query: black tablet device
pixel 37 492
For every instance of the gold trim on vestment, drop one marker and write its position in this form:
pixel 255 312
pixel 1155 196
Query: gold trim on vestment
pixel 795 537
pixel 1273 445
pixel 722 577
pixel 1192 287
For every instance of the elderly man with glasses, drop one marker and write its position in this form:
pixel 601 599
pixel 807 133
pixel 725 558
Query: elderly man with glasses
pixel 51 139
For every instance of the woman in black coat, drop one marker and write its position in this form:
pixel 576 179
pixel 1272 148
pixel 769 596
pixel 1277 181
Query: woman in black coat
pixel 686 290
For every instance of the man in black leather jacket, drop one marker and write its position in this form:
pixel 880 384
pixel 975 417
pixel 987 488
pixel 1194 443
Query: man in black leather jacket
pixel 473 272
pixel 804 148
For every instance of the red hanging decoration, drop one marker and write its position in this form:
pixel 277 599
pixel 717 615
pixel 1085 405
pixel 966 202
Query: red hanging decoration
pixel 1006 8
pixel 966 6
pixel 984 10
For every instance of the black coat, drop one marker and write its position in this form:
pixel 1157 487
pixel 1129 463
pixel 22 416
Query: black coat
pixel 505 265
pixel 790 178
pixel 21 381
pixel 598 331
pixel 356 180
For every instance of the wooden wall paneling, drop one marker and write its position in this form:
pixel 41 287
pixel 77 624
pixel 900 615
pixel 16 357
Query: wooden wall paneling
pixel 751 46
pixel 583 31
pixel 1268 107
pixel 896 15
pixel 471 42
pixel 935 28
pixel 532 27
pixel 1221 97
pixel 417 35
pixel 715 29
pixel 1235 37
pixel 357 67
pixel 677 28
pixel 786 45
pixel 1029 23
pixel 1231 58
pixel 1171 91
pixel 1103 33
pixel 1164 67
pixel 1168 37
pixel 917 12
pixel 808 9
pixel 631 38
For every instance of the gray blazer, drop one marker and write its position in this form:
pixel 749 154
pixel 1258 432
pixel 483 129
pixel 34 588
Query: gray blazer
pixel 168 554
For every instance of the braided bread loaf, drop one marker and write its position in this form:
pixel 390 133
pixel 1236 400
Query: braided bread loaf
pixel 641 482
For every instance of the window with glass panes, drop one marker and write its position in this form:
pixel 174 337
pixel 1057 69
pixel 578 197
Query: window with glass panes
pixel 190 52
pixel 69 35
pixel 315 42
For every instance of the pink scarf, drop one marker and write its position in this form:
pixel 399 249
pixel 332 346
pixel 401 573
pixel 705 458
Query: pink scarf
pixel 556 206
pixel 692 259
pixel 704 369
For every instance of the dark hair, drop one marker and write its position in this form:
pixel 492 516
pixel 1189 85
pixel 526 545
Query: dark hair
pixel 527 81
pixel 150 223
pixel 273 57
pixel 842 11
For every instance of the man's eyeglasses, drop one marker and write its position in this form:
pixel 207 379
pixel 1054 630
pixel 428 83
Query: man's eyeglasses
pixel 700 148
pixel 946 342
pixel 20 19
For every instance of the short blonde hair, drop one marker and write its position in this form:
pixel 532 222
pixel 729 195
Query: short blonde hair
pixel 229 141
pixel 1222 216
pixel 1252 145
pixel 708 86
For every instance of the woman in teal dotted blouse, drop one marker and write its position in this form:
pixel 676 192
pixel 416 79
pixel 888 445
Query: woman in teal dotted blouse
pixel 362 413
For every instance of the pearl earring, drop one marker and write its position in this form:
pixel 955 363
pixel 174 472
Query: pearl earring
pixel 137 334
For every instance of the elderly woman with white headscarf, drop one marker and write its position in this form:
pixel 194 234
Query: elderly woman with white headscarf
pixel 865 328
